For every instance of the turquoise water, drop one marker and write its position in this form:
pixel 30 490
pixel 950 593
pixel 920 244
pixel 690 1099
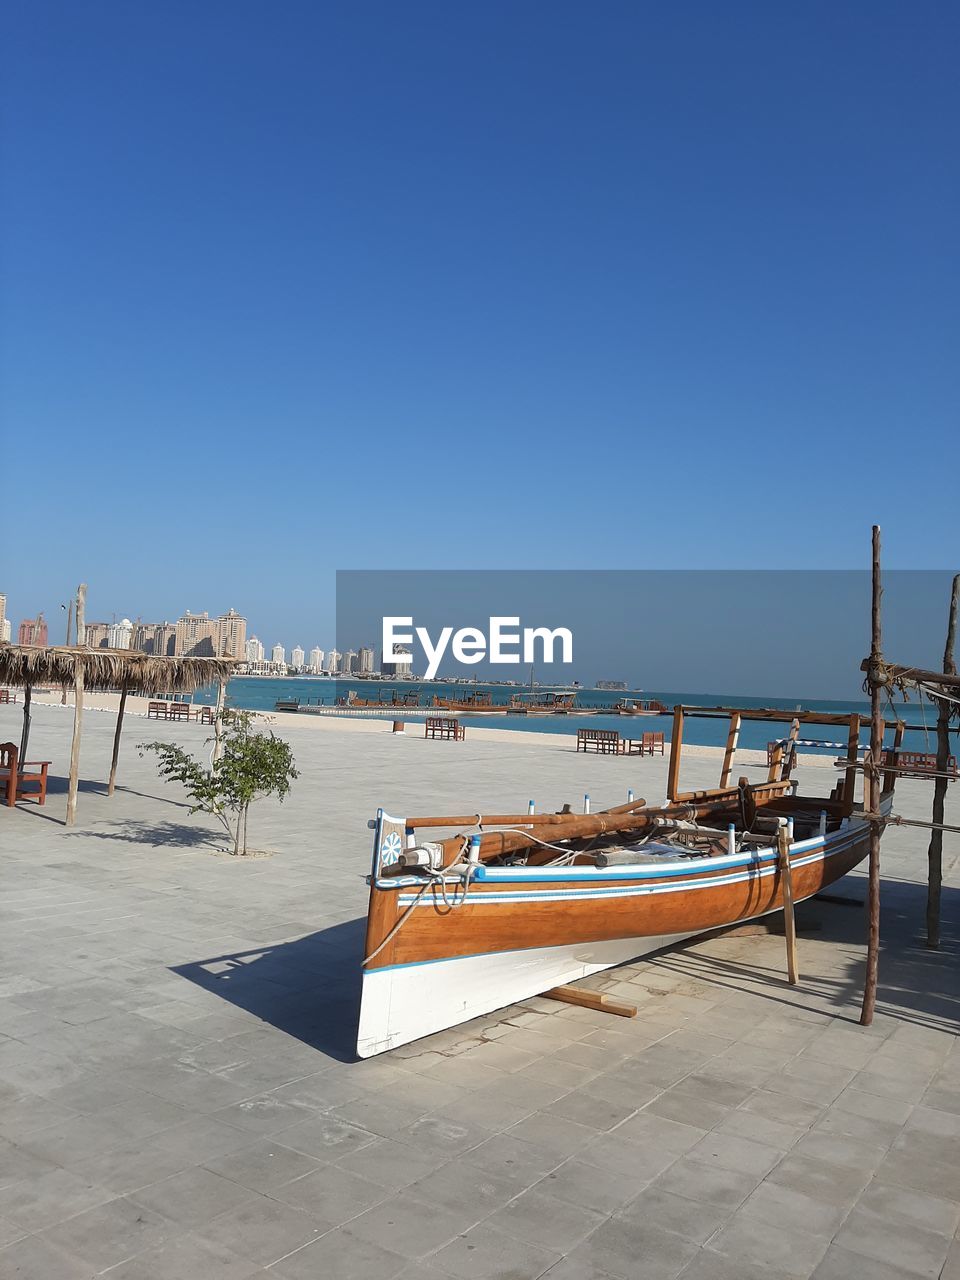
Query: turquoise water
pixel 261 695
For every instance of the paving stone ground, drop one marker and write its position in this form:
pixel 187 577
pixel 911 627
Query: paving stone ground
pixel 179 1096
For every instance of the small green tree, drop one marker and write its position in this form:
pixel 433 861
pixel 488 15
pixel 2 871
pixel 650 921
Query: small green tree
pixel 252 765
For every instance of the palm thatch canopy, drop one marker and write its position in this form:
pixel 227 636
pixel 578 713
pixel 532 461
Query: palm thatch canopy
pixel 26 665
pixel 143 673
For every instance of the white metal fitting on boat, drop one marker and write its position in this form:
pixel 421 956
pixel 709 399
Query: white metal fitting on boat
pixel 429 856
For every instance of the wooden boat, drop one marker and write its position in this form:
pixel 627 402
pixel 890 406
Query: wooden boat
pixel 512 905
pixel 547 704
pixel 353 699
pixel 472 703
pixel 639 707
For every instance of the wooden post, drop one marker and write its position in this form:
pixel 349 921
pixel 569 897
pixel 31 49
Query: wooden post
pixel 876 680
pixel 81 614
pixel 63 695
pixel 733 737
pixel 25 732
pixel 74 781
pixel 789 920
pixel 218 721
pixel 849 789
pixel 676 745
pixel 116 741
pixel 935 851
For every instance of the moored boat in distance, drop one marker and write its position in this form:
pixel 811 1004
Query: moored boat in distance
pixel 505 907
pixel 639 707
pixel 473 703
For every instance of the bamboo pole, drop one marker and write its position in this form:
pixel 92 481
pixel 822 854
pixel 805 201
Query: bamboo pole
pixel 789 919
pixel 74 781
pixel 871 782
pixel 935 851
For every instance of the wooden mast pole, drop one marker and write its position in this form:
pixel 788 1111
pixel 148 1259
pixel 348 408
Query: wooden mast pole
pixel 876 681
pixel 74 782
pixel 935 851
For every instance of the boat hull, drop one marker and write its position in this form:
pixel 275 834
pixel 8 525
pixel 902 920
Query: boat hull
pixel 406 1002
pixel 521 931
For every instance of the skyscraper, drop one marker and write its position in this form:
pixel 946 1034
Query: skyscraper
pixel 254 650
pixel 365 661
pixel 231 635
pixel 119 634
pixel 196 636
pixel 402 668
pixel 297 657
pixel 159 638
pixel 316 661
pixel 348 662
pixel 333 662
pixel 279 654
pixel 32 630
pixel 97 635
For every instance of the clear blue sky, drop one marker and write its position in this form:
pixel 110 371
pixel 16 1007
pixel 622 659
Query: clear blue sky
pixel 272 275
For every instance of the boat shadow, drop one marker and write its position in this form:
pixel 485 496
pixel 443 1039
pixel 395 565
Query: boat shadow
pixel 308 988
pixel 915 984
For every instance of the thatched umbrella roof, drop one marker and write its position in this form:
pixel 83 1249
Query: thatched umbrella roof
pixel 144 673
pixel 25 665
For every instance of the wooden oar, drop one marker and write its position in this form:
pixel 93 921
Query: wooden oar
pixel 789 921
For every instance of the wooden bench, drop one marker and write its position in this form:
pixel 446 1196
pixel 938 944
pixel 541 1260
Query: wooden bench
pixel 441 727
pixel 157 711
pixel 13 776
pixel 917 764
pixel 604 741
pixel 178 710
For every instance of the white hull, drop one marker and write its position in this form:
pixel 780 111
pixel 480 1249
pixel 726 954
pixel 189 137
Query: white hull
pixel 406 1002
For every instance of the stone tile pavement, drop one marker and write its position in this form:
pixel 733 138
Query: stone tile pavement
pixel 179 1098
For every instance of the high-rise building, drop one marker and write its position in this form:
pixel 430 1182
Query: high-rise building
pixel 3 612
pixel 97 635
pixel 119 634
pixel 5 630
pixel 297 658
pixel 254 650
pixel 279 654
pixel 333 662
pixel 32 630
pixel 316 661
pixel 231 635
pixel 159 638
pixel 365 661
pixel 196 636
pixel 402 668
pixel 348 662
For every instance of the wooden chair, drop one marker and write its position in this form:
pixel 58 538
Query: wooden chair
pixel 651 742
pixel 603 741
pixel 157 711
pixel 441 727
pixel 178 710
pixel 7 695
pixel 13 775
